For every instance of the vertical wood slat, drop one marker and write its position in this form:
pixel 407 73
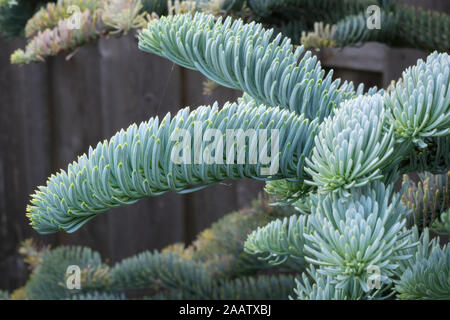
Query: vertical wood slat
pixel 77 124
pixel 103 88
pixel 24 161
pixel 372 64
pixel 134 87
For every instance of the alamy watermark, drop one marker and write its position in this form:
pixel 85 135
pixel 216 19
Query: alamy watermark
pixel 73 280
pixel 208 147
pixel 374 280
pixel 373 20
pixel 74 21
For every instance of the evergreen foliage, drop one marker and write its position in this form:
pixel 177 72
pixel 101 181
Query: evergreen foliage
pixel 246 57
pixel 208 269
pixel 221 247
pixel 427 199
pixel 442 224
pixel 341 151
pixel 4 295
pixel 49 278
pixel 314 23
pixel 137 162
pixel 14 15
pixel 427 274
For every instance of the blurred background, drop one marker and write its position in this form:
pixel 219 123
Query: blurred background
pixel 52 112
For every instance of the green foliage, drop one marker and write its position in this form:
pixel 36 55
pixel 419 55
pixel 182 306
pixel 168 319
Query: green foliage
pixel 400 26
pixel 344 20
pixel 354 147
pixel 197 274
pixel 427 199
pixel 292 29
pixel 221 247
pixel 176 272
pixel 122 16
pixel 4 295
pixel 260 288
pixel 427 274
pixel 14 15
pixel 191 280
pixel 289 192
pixel 350 234
pixel 138 162
pixel 442 224
pixel 153 269
pixel 250 288
pixel 424 29
pixel 352 30
pixel 49 16
pixel 309 10
pixel 48 280
pixel 235 5
pixel 420 101
pixel 60 38
pixel 434 158
pixel 246 57
pixel 279 240
pixel 318 286
pixel 157 6
pixel 52 30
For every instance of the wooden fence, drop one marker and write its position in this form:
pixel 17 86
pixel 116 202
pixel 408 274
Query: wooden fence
pixel 52 112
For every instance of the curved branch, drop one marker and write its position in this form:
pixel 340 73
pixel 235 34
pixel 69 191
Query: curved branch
pixel 145 161
pixel 244 57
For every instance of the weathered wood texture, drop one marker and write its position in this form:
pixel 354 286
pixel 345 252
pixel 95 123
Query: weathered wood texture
pixel 24 157
pixel 52 112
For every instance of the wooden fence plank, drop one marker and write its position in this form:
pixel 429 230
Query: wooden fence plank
pixel 134 87
pixel 77 124
pixel 24 159
pixel 371 64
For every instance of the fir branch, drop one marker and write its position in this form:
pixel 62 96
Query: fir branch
pixel 221 247
pixel 138 162
pixel 279 240
pixel 167 270
pixel 244 57
pixel 427 274
pixel 350 235
pixel 420 101
pixel 353 146
pixel 317 286
pixel 48 280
